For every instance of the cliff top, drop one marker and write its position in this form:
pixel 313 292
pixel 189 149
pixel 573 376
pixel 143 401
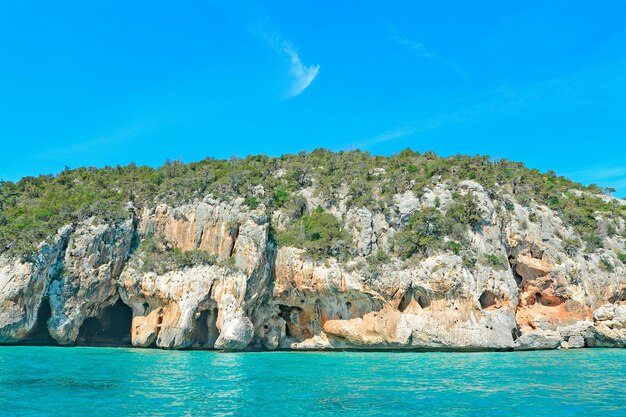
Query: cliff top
pixel 32 209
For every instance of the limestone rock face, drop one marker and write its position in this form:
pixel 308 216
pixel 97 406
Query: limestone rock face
pixel 516 284
pixel 203 306
pixel 25 285
pixel 93 260
pixel 429 307
pixel 540 340
pixel 173 310
pixel 236 334
pixel 610 326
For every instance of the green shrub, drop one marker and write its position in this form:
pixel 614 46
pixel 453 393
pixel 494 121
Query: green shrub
pixel 320 233
pixel 495 261
pixel 593 241
pixel 376 260
pixel 423 232
pixel 280 198
pixel 465 210
pixel 228 262
pixel 607 265
pixel 571 246
pixel 252 202
pixel 524 199
pixel 469 261
pixel 454 247
pixel 157 256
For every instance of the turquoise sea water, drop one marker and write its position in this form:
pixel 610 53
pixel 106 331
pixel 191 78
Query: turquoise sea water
pixel 136 382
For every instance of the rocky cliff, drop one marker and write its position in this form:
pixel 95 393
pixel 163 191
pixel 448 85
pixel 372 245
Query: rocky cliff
pixel 522 278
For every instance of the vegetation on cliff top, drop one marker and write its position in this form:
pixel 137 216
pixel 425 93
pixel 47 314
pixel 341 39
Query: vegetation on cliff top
pixel 35 207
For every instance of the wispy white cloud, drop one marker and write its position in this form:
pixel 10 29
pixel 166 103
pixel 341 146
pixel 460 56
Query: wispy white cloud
pixel 499 101
pixel 599 172
pixel 572 89
pixel 606 175
pixel 96 144
pixel 425 54
pixel 302 75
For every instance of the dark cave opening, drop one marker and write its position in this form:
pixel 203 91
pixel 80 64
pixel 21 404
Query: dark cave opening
pixel 405 301
pixel 205 331
pixel 487 299
pixel 112 328
pixel 292 316
pixel 39 334
pixel 547 300
pixel 285 314
pixel 618 296
pixel 516 276
pixel 202 335
pixel 516 333
pixel 423 301
pixel 407 304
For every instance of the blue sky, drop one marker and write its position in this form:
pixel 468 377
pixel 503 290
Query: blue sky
pixel 109 82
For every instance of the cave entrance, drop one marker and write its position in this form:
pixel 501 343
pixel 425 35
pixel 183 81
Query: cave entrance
pixel 487 299
pixel 413 300
pixel 205 332
pixel 292 316
pixel 39 334
pixel 112 328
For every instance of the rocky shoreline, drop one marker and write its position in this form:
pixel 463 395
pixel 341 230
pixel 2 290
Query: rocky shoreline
pixel 87 286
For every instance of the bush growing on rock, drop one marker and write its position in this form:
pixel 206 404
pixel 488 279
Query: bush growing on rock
pixel 571 246
pixel 319 233
pixel 454 247
pixel 423 232
pixel 465 210
pixel 377 259
pixel 607 265
pixel 252 202
pixel 495 261
pixel 280 198
pixel 593 241
pixel 157 256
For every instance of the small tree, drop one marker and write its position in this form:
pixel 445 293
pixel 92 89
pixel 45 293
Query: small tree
pixel 423 232
pixel 465 210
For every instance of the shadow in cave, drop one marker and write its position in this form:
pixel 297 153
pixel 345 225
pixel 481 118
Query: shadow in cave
pixel 112 328
pixel 39 335
pixel 293 328
pixel 487 299
pixel 413 299
pixel 205 332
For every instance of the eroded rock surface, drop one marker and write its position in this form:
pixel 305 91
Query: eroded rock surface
pixel 260 296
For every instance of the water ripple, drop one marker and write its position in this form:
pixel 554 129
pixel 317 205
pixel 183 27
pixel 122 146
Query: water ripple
pixel 133 382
